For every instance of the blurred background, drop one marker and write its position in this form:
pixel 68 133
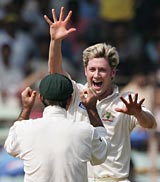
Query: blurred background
pixel 132 26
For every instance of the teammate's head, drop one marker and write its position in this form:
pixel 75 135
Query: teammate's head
pixel 55 89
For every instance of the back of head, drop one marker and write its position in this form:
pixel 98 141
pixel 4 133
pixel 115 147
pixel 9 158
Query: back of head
pixel 56 87
pixel 101 50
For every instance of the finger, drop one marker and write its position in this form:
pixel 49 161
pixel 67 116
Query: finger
pixel 91 90
pixel 61 14
pixel 136 98
pixel 118 109
pixel 123 110
pixel 141 101
pixel 25 91
pixel 124 101
pixel 33 96
pixel 130 98
pixel 29 91
pixel 71 30
pixel 82 96
pixel 68 16
pixel 81 93
pixel 48 20
pixel 54 15
pixel 34 93
pixel 85 94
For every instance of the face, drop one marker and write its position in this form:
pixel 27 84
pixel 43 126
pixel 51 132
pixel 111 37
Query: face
pixel 99 76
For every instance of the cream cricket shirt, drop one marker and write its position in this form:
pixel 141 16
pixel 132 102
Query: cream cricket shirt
pixel 118 126
pixel 54 149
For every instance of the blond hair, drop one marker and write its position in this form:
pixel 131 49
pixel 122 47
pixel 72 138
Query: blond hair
pixel 101 50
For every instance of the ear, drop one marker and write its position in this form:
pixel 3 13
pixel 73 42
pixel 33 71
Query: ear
pixel 113 73
pixel 85 71
pixel 40 97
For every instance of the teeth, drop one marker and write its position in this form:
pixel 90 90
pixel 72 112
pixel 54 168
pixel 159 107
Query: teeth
pixel 96 82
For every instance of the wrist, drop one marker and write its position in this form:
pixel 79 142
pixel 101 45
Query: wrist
pixel 56 40
pixel 25 113
pixel 138 114
pixel 26 108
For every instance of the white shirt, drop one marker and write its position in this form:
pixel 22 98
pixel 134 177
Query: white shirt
pixel 55 149
pixel 118 126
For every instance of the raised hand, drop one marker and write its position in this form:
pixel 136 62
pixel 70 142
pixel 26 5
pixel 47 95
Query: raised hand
pixel 132 105
pixel 88 98
pixel 28 98
pixel 58 28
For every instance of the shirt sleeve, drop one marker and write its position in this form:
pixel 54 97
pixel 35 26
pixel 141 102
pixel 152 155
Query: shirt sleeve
pixel 12 143
pixel 134 122
pixel 100 146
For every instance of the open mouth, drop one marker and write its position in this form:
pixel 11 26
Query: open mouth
pixel 97 84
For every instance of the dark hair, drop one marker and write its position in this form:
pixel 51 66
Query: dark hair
pixel 62 104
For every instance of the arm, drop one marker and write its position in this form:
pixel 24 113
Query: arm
pixel 89 100
pixel 133 107
pixel 100 145
pixel 28 98
pixel 12 143
pixel 58 32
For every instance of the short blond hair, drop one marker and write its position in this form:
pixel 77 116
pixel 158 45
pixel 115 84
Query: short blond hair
pixel 101 50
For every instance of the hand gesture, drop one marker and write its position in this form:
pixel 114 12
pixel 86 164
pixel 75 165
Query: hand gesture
pixel 132 105
pixel 28 98
pixel 58 28
pixel 88 98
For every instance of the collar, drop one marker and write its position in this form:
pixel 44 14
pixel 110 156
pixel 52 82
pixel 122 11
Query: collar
pixel 52 111
pixel 114 94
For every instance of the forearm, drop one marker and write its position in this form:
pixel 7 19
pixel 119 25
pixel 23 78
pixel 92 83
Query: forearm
pixel 25 113
pixel 146 119
pixel 94 118
pixel 55 57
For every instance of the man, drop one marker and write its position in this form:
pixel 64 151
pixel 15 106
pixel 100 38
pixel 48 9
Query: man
pixel 53 148
pixel 119 113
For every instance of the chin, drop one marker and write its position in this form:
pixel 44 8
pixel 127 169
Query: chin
pixel 98 93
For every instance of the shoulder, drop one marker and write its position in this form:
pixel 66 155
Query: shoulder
pixel 84 125
pixel 125 94
pixel 84 128
pixel 76 85
pixel 24 124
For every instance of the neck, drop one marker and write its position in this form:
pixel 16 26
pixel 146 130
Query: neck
pixel 106 94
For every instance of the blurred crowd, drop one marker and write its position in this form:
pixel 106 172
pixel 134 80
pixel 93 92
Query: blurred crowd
pixel 132 26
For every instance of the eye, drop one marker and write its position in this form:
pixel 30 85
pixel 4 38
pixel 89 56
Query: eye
pixel 92 69
pixel 102 70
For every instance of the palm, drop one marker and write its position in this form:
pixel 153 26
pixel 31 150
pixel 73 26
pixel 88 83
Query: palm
pixel 58 28
pixel 132 106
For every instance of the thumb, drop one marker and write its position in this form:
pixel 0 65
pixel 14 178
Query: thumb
pixel 34 93
pixel 82 96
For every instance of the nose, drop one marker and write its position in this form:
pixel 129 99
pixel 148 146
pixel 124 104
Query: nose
pixel 96 74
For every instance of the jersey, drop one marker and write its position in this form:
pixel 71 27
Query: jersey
pixel 54 148
pixel 118 126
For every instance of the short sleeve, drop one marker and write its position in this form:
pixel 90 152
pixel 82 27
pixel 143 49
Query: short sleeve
pixel 99 146
pixel 12 143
